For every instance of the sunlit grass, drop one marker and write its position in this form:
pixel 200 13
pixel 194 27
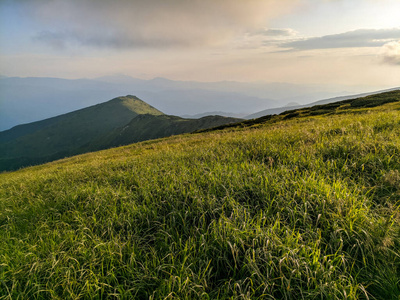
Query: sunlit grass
pixel 305 208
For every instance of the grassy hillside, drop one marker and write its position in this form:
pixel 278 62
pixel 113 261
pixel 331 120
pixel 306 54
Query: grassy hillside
pixel 303 207
pixel 145 127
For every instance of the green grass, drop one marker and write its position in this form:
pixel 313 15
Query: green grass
pixel 304 208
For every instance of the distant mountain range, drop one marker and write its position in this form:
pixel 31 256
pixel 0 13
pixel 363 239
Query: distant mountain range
pixel 278 110
pixel 120 121
pixel 25 100
pixel 214 113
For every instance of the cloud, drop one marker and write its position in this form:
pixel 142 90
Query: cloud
pixel 62 39
pixel 390 53
pixel 356 38
pixel 276 32
pixel 266 37
pixel 150 23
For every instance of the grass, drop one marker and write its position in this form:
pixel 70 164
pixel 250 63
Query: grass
pixel 304 208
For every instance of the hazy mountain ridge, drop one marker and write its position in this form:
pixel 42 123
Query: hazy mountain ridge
pixel 213 113
pixel 279 110
pixel 25 100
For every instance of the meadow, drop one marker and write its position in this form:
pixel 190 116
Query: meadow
pixel 298 208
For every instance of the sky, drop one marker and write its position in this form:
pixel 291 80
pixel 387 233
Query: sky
pixel 325 42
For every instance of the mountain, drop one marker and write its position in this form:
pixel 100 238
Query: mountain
pixel 278 110
pixel 63 135
pixel 101 126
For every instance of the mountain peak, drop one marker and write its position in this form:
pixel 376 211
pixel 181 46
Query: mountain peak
pixel 136 105
pixel 131 96
pixel 68 134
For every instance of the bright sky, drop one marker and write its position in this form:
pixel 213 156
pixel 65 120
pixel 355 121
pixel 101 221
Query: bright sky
pixel 337 42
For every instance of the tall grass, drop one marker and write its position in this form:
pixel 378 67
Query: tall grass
pixel 301 209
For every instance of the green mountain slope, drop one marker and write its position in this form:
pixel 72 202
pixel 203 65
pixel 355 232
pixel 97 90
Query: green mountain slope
pixel 145 127
pixel 63 135
pixel 93 119
pixel 297 207
pixel 93 128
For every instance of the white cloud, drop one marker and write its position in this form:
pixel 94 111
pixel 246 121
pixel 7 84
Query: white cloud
pixel 390 53
pixel 266 38
pixel 276 32
pixel 350 39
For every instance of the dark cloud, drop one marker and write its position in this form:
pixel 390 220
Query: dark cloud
pixel 356 38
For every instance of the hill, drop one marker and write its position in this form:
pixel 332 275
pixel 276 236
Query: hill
pixel 116 122
pixel 64 135
pixel 297 206
pixel 278 110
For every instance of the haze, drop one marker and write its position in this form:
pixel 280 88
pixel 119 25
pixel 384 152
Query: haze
pixel 338 43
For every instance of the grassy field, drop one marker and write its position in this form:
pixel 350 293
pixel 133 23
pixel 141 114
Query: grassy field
pixel 301 208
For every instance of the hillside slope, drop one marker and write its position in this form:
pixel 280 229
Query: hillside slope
pixel 146 127
pixel 298 206
pixel 278 110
